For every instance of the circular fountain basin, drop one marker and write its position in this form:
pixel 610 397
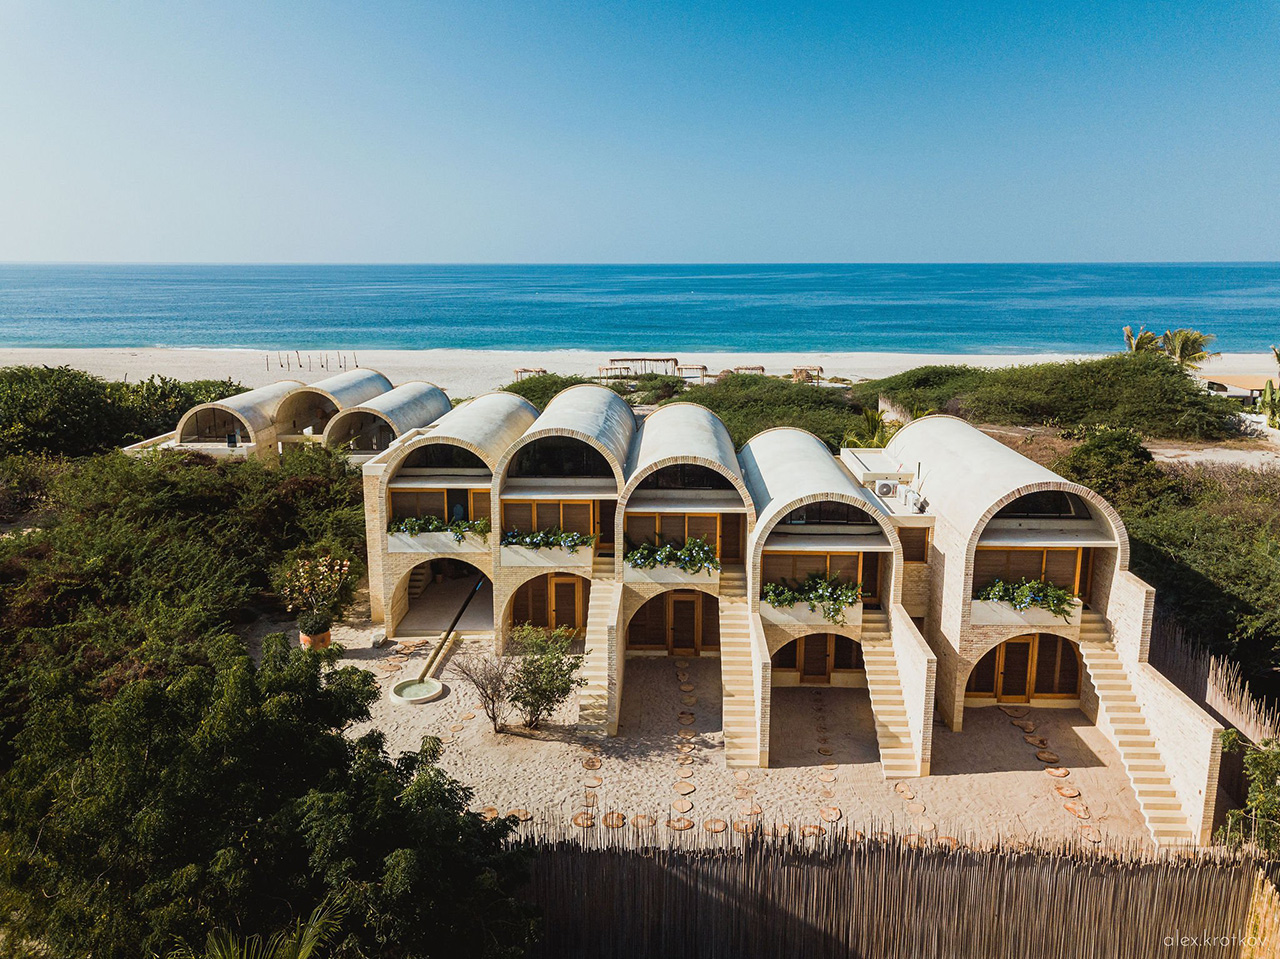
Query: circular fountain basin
pixel 414 691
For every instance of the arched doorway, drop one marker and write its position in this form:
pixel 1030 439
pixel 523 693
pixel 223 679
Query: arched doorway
pixel 682 622
pixel 437 590
pixel 819 659
pixel 1025 669
pixel 552 600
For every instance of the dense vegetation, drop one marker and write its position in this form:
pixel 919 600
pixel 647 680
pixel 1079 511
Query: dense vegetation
pixel 1147 392
pixel 749 403
pixel 155 781
pixel 1206 537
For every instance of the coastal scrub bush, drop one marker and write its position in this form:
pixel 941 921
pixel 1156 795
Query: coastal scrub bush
pixel 1145 392
pixel 749 403
pixel 546 673
pixel 1114 463
pixel 542 387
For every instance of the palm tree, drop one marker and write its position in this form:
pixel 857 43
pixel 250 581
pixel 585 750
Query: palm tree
pixel 299 943
pixel 1188 348
pixel 872 431
pixel 1144 341
pixel 1275 351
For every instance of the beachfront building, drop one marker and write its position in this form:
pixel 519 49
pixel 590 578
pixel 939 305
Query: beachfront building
pixel 357 410
pixel 658 538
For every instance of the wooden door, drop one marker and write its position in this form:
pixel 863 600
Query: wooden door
pixel 1015 671
pixel 566 596
pixel 604 525
pixel 815 659
pixel 683 618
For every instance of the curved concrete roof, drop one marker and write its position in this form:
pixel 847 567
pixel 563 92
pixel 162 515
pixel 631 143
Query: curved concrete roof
pixel 597 416
pixel 404 408
pixel 684 433
pixel 967 475
pixel 487 425
pixel 349 388
pixel 256 409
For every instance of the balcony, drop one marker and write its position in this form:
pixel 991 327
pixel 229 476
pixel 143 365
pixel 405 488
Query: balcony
pixel 548 556
pixel 801 615
pixel 442 542
pixel 670 575
pixel 987 612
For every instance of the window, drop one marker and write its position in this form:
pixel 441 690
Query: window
pixel 826 513
pixel 524 516
pixel 675 528
pixel 443 504
pixel 559 456
pixel 443 456
pixel 915 543
pixel 792 567
pixel 785 658
pixel 1046 504
pixel 1057 667
pixel 1058 566
pixel 685 476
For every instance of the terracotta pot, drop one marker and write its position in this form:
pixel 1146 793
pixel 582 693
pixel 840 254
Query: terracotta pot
pixel 318 641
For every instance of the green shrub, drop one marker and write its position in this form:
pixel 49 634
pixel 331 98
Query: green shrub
pixel 546 674
pixel 1114 463
pixel 830 594
pixel 542 388
pixel 749 404
pixel 694 556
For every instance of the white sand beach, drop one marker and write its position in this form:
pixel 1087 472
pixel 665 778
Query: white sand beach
pixel 467 372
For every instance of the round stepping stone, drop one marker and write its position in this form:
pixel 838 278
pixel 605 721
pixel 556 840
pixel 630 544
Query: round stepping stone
pixel 903 790
pixel 684 747
pixel 591 762
pixel 522 814
pixel 820 729
pixel 824 750
pixel 812 830
pixel 685 760
pixel 643 822
pixel 689 700
pixel 926 825
pixel 715 825
pixel 826 777
pixel 830 813
pixel 1090 832
pixel 686 773
pixel 682 675
pixel 684 788
pixel 743 792
pixel 824 740
pixel 1026 725
pixel 826 794
pixel 686 687
pixel 751 810
pixel 686 720
pixel 614 820
pixel 584 820
pixel 742 775
pixel 682 805
pixel 1067 792
pixel 680 825
pixel 1017 712
pixel 1058 772
pixel 1077 809
pixel 745 826
pixel 950 841
pixel 830 766
pixel 1047 756
pixel 778 829
pixel 467 716
pixel 591 782
pixel 445 740
pixel 1038 741
pixel 682 663
pixel 457 727
pixel 489 812
pixel 915 808
pixel 686 734
pixel 589 799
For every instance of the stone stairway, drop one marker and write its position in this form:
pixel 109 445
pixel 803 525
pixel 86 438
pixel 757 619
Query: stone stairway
pixel 1118 711
pixel 741 739
pixel 418 579
pixel 593 698
pixel 893 734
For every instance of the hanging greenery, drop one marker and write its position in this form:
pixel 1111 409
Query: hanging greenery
pixel 830 594
pixel 459 528
pixel 1029 593
pixel 555 538
pixel 695 556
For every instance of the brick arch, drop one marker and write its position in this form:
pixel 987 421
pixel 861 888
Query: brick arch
pixel 237 415
pixel 504 464
pixel 970 660
pixel 767 525
pixel 789 638
pixel 1089 496
pixel 418 442
pixel 676 460
pixel 422 559
pixel 660 594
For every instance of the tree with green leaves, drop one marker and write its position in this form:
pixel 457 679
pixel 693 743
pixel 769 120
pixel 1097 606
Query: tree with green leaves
pixel 1258 823
pixel 871 431
pixel 301 942
pixel 1144 341
pixel 1188 348
pixel 546 673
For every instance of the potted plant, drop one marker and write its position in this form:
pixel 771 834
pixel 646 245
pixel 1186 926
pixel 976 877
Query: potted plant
pixel 317 589
pixel 314 629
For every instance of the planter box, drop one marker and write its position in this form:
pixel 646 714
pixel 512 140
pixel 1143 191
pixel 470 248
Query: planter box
pixel 669 574
pixel 440 542
pixel 987 612
pixel 558 556
pixel 801 615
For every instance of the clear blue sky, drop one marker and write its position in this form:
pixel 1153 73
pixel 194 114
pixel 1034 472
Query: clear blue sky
pixel 639 132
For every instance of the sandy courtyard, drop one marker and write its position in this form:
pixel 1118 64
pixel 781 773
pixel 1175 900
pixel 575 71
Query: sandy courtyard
pixel 667 761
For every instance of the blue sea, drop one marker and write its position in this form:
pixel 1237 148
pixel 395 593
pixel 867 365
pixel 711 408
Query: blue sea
pixel 851 307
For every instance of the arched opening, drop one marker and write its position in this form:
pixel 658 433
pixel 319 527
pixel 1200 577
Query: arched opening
pixel 440 457
pixel 559 456
pixel 209 424
pixel 437 590
pixel 827 539
pixel 686 501
pixel 691 476
pixel 1037 667
pixel 680 622
pixel 551 600
pixel 820 710
pixel 361 431
pixel 440 480
pixel 305 413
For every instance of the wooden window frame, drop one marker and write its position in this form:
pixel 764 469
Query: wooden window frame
pixel 1044 559
pixel 684 531
pixel 560 504
pixel 1033 662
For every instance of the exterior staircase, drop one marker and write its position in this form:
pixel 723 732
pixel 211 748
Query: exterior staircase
pixel 893 733
pixel 1118 710
pixel 418 580
pixel 737 679
pixel 593 699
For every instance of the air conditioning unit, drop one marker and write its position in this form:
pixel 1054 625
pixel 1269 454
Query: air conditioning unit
pixel 886 489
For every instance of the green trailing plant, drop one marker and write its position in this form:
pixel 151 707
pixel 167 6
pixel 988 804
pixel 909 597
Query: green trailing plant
pixel 546 673
pixel 830 594
pixel 459 528
pixel 1032 593
pixel 555 538
pixel 695 556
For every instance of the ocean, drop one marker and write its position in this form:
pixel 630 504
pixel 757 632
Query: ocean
pixel 985 308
